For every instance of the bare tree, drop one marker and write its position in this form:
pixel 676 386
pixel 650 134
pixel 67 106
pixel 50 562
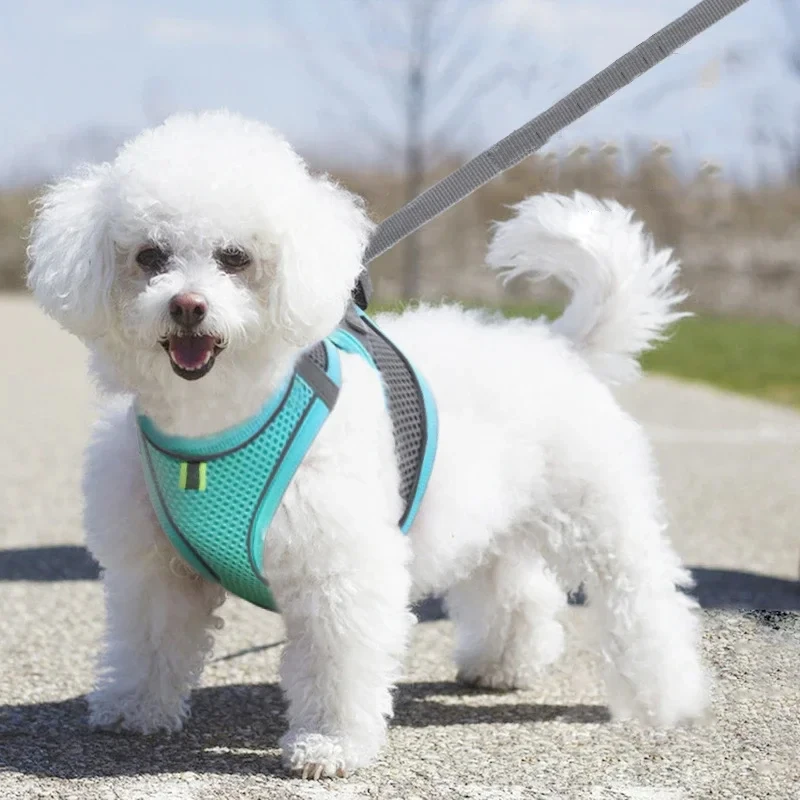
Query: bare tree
pixel 432 64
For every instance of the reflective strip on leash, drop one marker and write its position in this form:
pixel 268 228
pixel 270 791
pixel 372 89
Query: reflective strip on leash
pixel 535 134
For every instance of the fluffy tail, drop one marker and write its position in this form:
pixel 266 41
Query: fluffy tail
pixel 623 293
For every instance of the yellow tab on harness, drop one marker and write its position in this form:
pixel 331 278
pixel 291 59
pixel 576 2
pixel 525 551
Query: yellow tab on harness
pixel 192 476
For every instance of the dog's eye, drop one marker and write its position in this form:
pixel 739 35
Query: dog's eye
pixel 152 259
pixel 232 259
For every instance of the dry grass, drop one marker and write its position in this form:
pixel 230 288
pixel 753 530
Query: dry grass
pixel 739 246
pixel 14 218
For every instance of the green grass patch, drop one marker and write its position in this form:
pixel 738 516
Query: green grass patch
pixel 757 358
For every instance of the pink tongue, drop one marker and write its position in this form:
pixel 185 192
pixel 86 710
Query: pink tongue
pixel 189 352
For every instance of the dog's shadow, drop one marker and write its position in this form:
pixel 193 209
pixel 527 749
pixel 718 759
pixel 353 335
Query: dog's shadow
pixel 233 730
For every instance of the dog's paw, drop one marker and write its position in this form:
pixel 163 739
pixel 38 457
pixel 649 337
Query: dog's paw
pixel 134 713
pixel 519 666
pixel 494 678
pixel 662 700
pixel 313 756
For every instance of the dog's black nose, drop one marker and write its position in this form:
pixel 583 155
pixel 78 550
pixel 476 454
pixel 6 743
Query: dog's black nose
pixel 188 309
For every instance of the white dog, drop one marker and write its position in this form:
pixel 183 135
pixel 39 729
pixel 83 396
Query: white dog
pixel 540 482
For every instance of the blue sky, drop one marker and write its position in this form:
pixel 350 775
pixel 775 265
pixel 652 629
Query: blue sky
pixel 307 67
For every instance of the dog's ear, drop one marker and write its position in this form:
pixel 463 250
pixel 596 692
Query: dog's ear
pixel 71 254
pixel 320 256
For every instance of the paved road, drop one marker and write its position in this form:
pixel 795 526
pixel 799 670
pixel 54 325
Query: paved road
pixel 731 467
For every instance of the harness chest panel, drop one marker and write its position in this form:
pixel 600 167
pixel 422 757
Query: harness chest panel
pixel 215 497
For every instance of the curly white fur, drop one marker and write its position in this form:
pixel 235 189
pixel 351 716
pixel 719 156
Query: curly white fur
pixel 541 481
pixel 616 312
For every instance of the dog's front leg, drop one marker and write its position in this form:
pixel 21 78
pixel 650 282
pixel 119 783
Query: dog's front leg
pixel 159 616
pixel 345 606
pixel 157 637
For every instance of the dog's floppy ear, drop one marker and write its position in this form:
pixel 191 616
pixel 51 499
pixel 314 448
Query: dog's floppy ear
pixel 319 260
pixel 71 254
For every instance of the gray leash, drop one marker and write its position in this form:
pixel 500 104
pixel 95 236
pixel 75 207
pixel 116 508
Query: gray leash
pixel 536 133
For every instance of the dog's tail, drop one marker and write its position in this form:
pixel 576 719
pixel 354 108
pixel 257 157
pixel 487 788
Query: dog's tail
pixel 623 293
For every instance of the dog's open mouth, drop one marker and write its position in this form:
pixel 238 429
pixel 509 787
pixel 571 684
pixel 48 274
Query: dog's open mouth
pixel 191 356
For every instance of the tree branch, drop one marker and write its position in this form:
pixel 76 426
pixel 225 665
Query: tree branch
pixel 389 149
pixel 452 23
pixel 375 35
pixel 460 111
pixel 341 92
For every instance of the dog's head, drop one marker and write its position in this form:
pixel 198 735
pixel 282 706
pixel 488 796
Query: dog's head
pixel 206 241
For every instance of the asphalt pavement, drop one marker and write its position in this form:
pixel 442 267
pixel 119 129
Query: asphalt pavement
pixel 731 468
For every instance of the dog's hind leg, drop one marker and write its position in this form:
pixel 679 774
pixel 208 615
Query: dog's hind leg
pixel 610 534
pixel 505 615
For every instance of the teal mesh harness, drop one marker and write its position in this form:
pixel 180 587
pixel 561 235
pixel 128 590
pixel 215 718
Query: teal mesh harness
pixel 216 496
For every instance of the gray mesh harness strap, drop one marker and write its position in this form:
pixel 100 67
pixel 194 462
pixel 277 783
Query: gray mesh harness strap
pixel 405 400
pixel 535 134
